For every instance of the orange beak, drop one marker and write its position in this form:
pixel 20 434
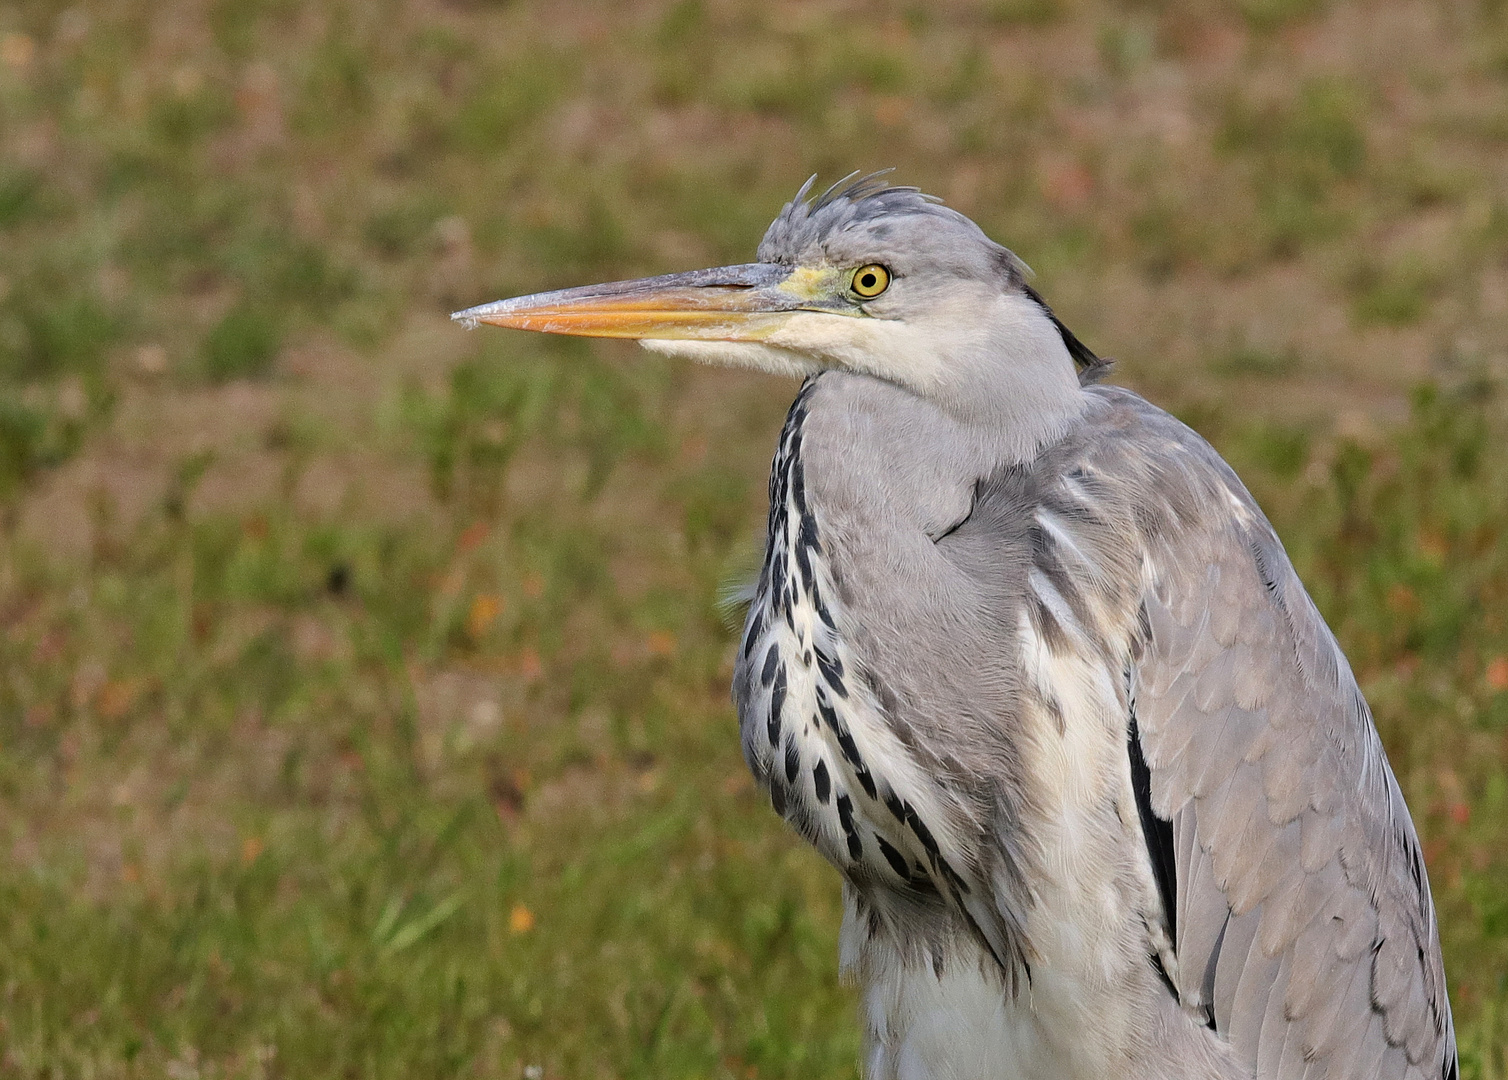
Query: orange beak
pixel 728 303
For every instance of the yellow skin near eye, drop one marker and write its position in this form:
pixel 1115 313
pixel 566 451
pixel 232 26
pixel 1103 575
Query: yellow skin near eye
pixel 869 281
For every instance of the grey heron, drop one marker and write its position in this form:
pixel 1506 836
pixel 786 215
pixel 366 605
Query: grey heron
pixel 1028 665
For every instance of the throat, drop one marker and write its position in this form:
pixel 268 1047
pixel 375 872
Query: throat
pixel 1009 380
pixel 1010 420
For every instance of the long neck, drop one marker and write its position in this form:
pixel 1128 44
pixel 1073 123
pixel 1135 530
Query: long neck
pixel 1012 382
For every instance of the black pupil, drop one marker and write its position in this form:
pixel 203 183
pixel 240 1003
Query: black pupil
pixel 868 281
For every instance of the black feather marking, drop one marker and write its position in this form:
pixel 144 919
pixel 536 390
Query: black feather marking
pixel 960 886
pixel 1088 363
pixel 803 821
pixel 825 709
pixel 756 628
pixel 924 834
pixel 1156 831
pixel 845 819
pixel 792 761
pixel 777 703
pixel 866 781
pixel 832 672
pixel 895 806
pixel 777 795
pixel 896 860
pixel 798 480
pixel 804 565
pixel 777 580
pixel 1009 971
pixel 821 782
pixel 822 612
pixel 953 528
pixel 1207 985
pixel 771 662
pixel 809 534
pixel 848 746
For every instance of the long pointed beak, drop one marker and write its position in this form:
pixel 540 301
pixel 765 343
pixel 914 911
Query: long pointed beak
pixel 728 303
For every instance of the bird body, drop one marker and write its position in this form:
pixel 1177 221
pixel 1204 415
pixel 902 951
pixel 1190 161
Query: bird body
pixel 962 797
pixel 1027 664
pixel 936 683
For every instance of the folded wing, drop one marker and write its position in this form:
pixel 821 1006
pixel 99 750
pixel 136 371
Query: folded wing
pixel 1302 920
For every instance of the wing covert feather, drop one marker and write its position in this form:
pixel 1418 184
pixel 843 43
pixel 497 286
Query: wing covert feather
pixel 1303 911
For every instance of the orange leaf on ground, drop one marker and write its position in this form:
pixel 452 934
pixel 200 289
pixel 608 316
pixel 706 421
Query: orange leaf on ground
pixel 484 612
pixel 661 643
pixel 1497 673
pixel 117 696
pixel 1403 600
pixel 16 50
pixel 520 919
pixel 473 535
pixel 251 847
pixel 1433 546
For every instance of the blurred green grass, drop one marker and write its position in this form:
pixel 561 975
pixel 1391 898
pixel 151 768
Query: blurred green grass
pixel 364 707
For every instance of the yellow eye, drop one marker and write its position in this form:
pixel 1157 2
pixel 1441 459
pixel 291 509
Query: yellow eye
pixel 869 281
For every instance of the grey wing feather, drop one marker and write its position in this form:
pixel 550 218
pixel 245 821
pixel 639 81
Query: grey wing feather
pixel 1303 917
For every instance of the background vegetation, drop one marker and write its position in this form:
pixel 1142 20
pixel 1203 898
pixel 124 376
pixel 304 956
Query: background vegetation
pixel 363 689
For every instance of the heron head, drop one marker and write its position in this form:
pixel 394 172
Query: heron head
pixel 868 278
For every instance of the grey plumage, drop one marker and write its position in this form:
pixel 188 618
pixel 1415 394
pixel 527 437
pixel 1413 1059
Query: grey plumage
pixel 1027 664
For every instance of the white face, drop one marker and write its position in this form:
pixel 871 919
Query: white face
pixel 922 339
